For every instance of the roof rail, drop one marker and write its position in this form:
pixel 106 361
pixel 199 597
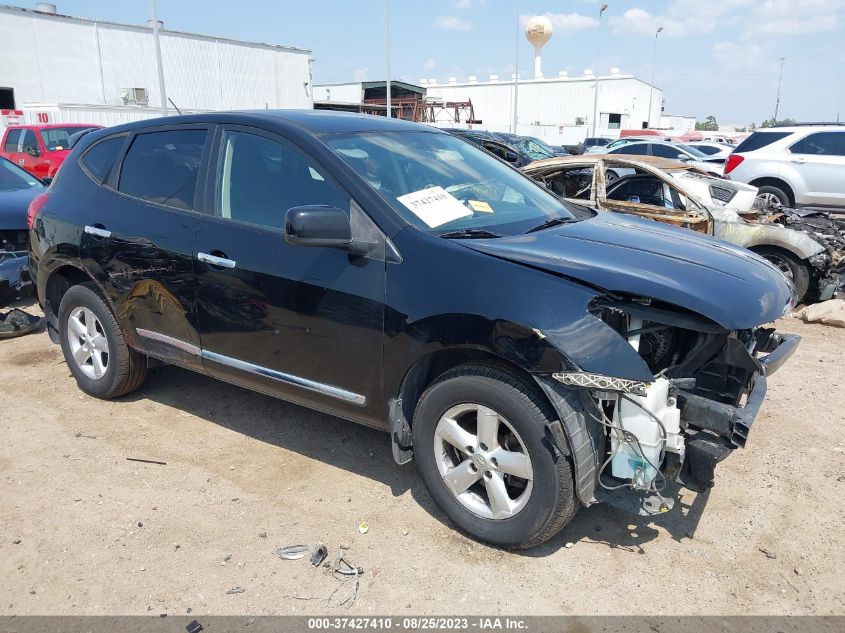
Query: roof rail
pixel 74 138
pixel 809 123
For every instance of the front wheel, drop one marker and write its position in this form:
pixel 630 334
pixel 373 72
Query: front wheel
pixel 481 449
pixel 792 268
pixel 94 348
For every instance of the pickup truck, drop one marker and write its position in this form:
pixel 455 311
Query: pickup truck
pixel 40 149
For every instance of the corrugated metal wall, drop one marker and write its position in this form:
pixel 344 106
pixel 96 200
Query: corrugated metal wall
pixel 551 108
pixel 66 60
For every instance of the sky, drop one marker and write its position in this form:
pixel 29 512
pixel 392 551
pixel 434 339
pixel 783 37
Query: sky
pixel 719 57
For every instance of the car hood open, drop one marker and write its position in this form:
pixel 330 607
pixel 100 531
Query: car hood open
pixel 726 284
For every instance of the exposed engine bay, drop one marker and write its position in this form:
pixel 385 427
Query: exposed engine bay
pixel 708 387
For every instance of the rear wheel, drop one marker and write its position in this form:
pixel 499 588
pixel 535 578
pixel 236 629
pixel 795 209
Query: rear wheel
pixel 793 268
pixel 94 347
pixel 480 447
pixel 772 196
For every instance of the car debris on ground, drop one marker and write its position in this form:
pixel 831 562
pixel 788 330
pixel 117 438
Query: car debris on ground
pixel 15 283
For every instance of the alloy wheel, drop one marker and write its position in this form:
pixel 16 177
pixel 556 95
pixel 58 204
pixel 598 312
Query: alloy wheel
pixel 88 343
pixel 483 461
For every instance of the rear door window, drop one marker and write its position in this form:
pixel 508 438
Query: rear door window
pixel 162 167
pixel 759 140
pixel 98 160
pixel 665 151
pixel 821 144
pixel 638 149
pixel 12 139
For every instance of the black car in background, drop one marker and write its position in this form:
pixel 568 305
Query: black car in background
pixel 531 356
pixel 494 144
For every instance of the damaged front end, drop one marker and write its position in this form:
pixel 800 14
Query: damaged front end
pixel 709 384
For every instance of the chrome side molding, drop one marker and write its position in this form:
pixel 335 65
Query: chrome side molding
pixel 296 381
pixel 305 383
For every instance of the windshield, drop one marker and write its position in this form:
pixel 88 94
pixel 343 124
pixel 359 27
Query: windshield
pixel 58 138
pixel 440 184
pixel 13 177
pixel 533 149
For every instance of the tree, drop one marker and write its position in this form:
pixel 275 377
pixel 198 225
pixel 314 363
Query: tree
pixel 779 123
pixel 708 125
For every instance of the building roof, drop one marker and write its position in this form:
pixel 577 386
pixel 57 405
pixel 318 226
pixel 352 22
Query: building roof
pixel 61 16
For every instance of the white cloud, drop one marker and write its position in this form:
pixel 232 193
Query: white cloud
pixel 565 22
pixel 360 74
pixel 468 4
pixel 430 64
pixel 734 55
pixel 453 23
pixel 797 17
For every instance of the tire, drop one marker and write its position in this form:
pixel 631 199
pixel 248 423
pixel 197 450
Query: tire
pixel 770 193
pixel 94 347
pixel 792 268
pixel 610 177
pixel 536 508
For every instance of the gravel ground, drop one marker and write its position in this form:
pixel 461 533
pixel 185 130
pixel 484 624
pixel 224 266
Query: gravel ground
pixel 85 531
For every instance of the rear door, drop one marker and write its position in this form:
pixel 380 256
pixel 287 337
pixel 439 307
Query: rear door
pixel 820 159
pixel 303 323
pixel 139 235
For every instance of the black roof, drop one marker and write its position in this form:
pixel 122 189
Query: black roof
pixel 313 121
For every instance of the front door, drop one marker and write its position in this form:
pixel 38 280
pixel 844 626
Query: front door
pixel 820 160
pixel 303 323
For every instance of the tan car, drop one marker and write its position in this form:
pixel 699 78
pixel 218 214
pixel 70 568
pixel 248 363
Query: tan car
pixel 680 194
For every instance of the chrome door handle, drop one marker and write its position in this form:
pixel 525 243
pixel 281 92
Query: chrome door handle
pixel 799 161
pixel 216 261
pixel 95 230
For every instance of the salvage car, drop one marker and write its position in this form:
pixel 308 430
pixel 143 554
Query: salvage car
pixel 679 194
pixel 17 189
pixel 530 354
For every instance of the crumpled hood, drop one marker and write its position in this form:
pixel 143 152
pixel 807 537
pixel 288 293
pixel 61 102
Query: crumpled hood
pixel 13 205
pixel 729 285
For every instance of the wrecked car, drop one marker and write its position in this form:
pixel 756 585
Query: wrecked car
pixel 17 189
pixel 530 354
pixel 810 255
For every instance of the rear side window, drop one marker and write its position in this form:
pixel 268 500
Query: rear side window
pixel 98 160
pixel 640 149
pixel 665 151
pixel 12 139
pixel 162 167
pixel 821 144
pixel 759 140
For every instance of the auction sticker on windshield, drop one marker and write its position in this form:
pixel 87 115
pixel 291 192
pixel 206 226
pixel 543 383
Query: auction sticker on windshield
pixel 434 206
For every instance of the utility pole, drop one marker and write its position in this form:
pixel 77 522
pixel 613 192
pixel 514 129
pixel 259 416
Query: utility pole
pixel 516 76
pixel 389 106
pixel 777 103
pixel 596 89
pixel 653 62
pixel 158 61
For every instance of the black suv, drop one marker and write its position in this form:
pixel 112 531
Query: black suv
pixel 530 355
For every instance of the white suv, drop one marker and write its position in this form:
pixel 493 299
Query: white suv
pixel 800 166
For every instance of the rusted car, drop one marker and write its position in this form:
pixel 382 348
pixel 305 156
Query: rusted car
pixel 808 247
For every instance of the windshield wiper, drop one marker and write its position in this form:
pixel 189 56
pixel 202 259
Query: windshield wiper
pixel 468 234
pixel 552 222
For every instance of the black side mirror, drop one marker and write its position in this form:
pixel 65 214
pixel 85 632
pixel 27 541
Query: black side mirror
pixel 33 151
pixel 47 180
pixel 511 157
pixel 316 225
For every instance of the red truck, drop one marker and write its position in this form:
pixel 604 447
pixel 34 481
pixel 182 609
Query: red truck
pixel 40 149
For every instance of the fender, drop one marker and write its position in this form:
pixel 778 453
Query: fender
pixel 750 235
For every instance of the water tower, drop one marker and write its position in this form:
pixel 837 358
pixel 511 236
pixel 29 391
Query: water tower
pixel 538 31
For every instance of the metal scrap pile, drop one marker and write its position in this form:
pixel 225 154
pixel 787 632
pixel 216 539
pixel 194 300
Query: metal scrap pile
pixel 827 229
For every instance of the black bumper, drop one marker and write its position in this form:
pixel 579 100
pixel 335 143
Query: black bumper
pixel 717 428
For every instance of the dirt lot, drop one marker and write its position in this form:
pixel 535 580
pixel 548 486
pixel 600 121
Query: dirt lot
pixel 86 531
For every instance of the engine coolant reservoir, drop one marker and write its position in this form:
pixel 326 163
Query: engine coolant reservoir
pixel 629 462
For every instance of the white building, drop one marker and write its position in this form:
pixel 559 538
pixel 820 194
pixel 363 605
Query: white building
pixel 557 109
pixel 62 69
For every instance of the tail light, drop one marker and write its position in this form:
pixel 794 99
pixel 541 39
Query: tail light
pixel 34 207
pixel 732 163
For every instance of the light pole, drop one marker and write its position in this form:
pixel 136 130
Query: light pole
pixel 777 103
pixel 653 62
pixel 389 107
pixel 596 89
pixel 158 60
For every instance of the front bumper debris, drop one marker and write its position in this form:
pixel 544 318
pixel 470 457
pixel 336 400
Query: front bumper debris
pixel 716 428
